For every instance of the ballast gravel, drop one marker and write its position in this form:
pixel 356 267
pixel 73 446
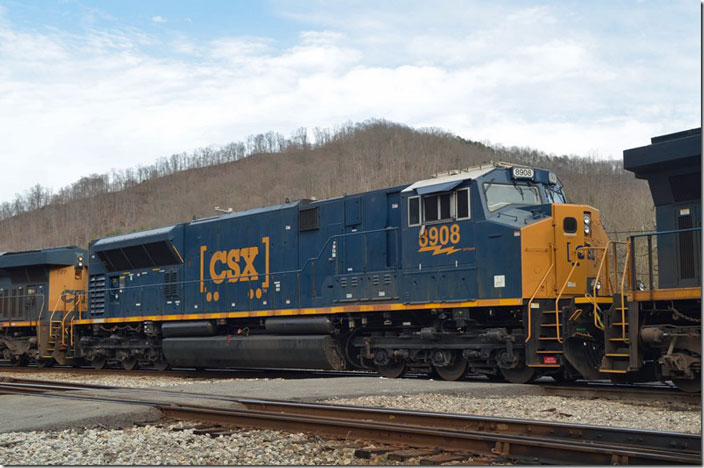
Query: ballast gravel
pixel 165 445
pixel 659 416
pixel 154 445
pixel 132 381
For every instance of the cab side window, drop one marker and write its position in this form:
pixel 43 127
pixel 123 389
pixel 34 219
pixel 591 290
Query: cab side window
pixel 439 207
pixel 414 211
pixel 463 204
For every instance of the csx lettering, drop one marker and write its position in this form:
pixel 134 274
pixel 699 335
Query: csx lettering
pixel 234 265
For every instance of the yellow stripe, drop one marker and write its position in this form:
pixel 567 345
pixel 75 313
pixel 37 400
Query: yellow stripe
pixel 667 294
pixel 177 253
pixel 18 324
pixel 308 311
pixel 588 300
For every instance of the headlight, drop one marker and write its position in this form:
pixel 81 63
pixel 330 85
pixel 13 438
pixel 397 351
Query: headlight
pixel 598 285
pixel 587 223
pixel 587 218
pixel 587 229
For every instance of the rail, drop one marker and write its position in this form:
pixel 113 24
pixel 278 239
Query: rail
pixel 537 441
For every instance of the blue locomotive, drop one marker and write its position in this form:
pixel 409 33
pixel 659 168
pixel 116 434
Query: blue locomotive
pixel 487 271
pixel 436 276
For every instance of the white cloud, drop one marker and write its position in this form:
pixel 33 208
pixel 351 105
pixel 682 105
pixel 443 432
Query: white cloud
pixel 73 104
pixel 158 19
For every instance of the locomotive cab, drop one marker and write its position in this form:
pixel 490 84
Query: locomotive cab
pixel 502 241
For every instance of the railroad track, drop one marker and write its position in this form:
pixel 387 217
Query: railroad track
pixel 609 391
pixel 191 373
pixel 520 440
pixel 579 389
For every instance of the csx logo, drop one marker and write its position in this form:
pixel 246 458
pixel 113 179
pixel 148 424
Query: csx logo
pixel 581 251
pixel 234 265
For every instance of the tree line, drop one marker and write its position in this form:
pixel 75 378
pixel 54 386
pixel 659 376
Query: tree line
pixel 267 169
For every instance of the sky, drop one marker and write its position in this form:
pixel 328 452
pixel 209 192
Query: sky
pixel 86 87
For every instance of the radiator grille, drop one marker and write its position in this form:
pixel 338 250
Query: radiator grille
pixel 96 294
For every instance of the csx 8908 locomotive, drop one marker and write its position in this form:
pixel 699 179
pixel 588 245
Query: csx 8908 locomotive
pixel 485 271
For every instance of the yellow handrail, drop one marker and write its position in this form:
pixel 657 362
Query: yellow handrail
pixel 77 298
pixel 623 295
pixel 596 309
pixel 51 317
pixel 557 300
pixel 535 293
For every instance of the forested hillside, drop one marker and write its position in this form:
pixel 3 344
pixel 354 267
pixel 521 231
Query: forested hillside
pixel 268 169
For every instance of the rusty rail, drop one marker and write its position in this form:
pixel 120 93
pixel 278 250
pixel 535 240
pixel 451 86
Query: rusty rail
pixel 544 442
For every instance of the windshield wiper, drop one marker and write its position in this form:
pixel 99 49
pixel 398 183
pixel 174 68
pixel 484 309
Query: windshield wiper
pixel 487 185
pixel 520 190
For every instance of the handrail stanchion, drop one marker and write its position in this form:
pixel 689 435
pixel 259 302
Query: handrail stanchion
pixel 650 263
pixel 535 293
pixel 623 292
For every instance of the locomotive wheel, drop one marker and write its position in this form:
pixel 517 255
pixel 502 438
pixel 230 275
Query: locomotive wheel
pixel 689 386
pixel 393 370
pixel 519 375
pixel 129 363
pixel 98 363
pixel 160 365
pixel 454 371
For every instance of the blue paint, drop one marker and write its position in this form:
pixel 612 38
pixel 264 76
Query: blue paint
pixel 356 249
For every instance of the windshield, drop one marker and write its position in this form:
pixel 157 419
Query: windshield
pixel 555 194
pixel 500 195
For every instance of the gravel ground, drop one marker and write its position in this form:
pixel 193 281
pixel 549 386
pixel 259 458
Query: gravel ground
pixel 132 381
pixel 661 416
pixel 154 445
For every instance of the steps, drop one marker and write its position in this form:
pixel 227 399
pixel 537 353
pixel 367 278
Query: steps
pixel 545 346
pixel 621 346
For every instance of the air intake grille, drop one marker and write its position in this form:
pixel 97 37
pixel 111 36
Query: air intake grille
pixel 96 294
pixel 171 285
pixel 308 219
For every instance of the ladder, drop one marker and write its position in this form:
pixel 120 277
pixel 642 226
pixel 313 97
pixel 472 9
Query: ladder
pixel 620 346
pixel 621 353
pixel 56 336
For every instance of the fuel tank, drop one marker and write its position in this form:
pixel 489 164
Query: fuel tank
pixel 195 328
pixel 299 325
pixel 275 351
